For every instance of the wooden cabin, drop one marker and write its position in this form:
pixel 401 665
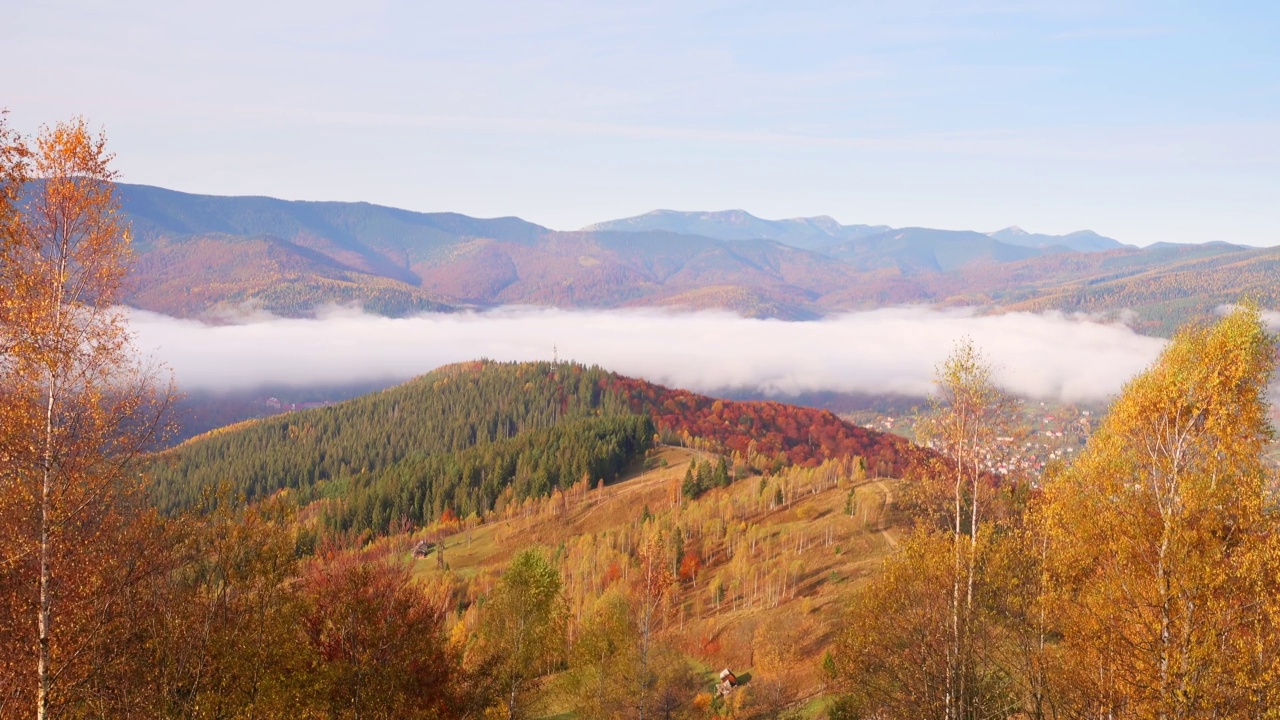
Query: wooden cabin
pixel 728 681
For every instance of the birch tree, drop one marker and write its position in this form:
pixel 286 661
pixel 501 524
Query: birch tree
pixel 78 410
pixel 970 427
pixel 524 629
pixel 1161 535
pixel 652 587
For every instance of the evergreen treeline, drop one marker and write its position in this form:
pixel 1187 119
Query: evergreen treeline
pixel 461 436
pixel 419 488
pixel 447 411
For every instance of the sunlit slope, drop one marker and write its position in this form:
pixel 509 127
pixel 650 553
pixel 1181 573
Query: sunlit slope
pixel 466 435
pixel 1159 287
pixel 224 276
pixel 1165 297
pixel 778 554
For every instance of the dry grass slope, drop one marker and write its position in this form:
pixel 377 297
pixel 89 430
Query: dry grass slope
pixel 787 569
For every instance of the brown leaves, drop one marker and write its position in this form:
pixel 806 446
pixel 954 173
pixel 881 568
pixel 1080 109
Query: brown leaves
pixel 379 644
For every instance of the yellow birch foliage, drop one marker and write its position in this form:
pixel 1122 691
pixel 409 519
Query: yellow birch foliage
pixel 1160 566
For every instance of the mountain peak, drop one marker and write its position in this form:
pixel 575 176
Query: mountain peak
pixel 1080 240
pixel 736 216
pixel 826 223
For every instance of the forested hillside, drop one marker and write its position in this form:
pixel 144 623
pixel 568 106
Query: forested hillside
pixel 447 411
pixel 468 436
pixel 1164 297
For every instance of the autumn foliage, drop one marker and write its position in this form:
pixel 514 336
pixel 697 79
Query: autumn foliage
pixel 781 434
pixel 77 410
pixel 1139 583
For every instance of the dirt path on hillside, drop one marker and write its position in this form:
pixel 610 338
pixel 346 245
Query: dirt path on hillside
pixel 888 500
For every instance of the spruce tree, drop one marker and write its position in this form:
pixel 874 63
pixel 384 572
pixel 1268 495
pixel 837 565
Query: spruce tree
pixel 691 488
pixel 720 477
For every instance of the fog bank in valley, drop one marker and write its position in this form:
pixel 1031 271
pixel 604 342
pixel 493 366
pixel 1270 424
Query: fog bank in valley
pixel 895 350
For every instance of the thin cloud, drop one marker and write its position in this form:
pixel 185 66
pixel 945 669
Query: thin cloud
pixel 1133 31
pixel 896 350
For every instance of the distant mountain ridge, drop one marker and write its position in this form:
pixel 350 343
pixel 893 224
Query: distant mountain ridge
pixel 821 232
pixel 215 257
pixel 923 250
pixel 1080 240
pixel 812 233
pixel 209 255
pixel 200 255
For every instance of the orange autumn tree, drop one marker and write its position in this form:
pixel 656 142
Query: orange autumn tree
pixel 78 409
pixel 1162 540
pixel 378 646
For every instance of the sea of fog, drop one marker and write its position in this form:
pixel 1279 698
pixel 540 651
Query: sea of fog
pixel 1048 356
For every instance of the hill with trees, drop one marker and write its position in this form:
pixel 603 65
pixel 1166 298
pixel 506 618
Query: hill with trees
pixel 471 438
pixel 453 548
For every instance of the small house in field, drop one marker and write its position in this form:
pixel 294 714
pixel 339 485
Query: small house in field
pixel 728 681
pixel 423 549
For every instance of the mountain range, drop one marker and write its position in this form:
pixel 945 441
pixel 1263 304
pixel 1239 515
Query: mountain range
pixel 823 233
pixel 811 233
pixel 212 256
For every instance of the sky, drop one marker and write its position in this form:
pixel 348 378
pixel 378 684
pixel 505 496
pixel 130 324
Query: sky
pixel 1044 356
pixel 1145 121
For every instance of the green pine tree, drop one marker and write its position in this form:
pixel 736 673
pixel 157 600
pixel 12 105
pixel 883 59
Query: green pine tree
pixel 720 477
pixel 706 481
pixel 690 487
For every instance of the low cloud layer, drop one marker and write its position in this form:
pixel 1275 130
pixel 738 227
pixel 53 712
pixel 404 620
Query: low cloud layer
pixel 1043 356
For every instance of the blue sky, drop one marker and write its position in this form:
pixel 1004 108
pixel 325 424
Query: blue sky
pixel 1145 121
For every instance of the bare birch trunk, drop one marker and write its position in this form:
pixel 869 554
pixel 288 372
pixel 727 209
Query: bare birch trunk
pixel 44 669
pixel 45 611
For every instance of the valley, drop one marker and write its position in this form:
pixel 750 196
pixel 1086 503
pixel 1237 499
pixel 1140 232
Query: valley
pixel 685 533
pixel 474 463
pixel 336 535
